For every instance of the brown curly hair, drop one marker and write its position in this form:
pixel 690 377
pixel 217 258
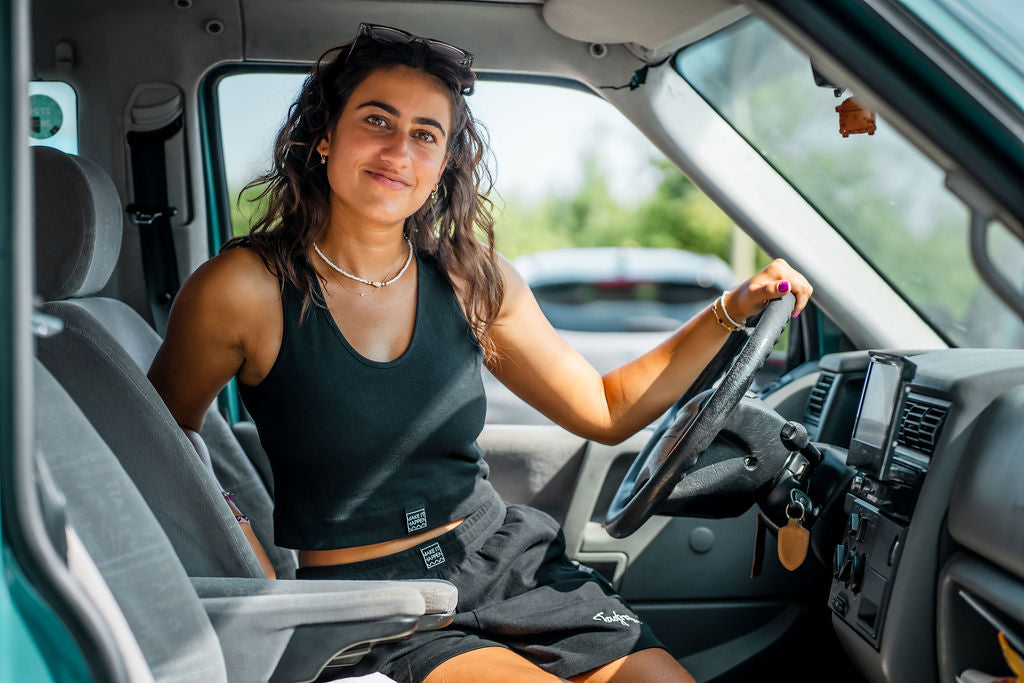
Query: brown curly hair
pixel 297 193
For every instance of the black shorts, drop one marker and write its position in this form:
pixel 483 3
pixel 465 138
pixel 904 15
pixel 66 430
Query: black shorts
pixel 517 590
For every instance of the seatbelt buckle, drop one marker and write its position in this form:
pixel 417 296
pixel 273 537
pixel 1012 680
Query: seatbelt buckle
pixel 147 215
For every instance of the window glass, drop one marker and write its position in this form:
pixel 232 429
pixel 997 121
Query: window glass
pixel 53 115
pixel 618 245
pixel 988 33
pixel 989 312
pixel 252 108
pixel 885 197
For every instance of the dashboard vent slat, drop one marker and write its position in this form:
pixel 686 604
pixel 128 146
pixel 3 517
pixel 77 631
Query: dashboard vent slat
pixel 818 396
pixel 920 426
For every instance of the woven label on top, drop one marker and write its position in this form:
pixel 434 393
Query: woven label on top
pixel 416 520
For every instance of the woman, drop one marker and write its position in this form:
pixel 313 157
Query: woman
pixel 356 316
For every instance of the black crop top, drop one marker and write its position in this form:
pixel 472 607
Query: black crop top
pixel 365 451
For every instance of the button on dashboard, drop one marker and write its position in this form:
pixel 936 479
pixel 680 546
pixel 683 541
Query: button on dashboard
pixel 840 604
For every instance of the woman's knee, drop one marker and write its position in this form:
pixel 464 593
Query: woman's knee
pixel 489 664
pixel 654 664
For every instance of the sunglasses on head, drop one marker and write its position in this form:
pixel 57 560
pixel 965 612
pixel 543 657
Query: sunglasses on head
pixel 388 34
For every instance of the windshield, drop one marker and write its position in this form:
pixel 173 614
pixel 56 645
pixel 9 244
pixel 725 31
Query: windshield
pixel 988 33
pixel 880 192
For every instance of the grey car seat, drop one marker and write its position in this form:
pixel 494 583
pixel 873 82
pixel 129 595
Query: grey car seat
pixel 78 238
pixel 122 560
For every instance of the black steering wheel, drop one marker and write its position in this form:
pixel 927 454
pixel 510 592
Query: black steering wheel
pixel 675 449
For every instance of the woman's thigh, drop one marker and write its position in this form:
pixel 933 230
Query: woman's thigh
pixel 653 664
pixel 487 665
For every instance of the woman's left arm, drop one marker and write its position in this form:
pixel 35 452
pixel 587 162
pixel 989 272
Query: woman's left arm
pixel 541 368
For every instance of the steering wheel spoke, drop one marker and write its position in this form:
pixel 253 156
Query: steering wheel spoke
pixel 683 469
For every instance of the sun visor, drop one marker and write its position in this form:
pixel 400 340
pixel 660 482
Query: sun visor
pixel 651 23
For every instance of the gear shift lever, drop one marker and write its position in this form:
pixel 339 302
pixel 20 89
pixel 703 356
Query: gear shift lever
pixel 794 438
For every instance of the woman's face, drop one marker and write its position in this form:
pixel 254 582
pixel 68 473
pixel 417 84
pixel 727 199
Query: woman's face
pixel 387 150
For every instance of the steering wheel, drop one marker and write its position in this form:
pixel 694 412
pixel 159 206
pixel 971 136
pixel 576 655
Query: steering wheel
pixel 674 451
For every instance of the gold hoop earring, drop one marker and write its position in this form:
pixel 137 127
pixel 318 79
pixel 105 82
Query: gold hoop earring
pixel 433 193
pixel 323 159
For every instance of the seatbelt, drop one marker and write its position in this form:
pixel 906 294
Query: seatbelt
pixel 152 215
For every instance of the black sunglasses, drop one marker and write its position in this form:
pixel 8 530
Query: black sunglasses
pixel 387 34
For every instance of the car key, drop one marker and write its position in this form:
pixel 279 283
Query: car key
pixel 810 509
pixel 793 538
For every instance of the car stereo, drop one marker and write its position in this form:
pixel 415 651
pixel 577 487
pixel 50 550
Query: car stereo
pixel 885 386
pixel 878 504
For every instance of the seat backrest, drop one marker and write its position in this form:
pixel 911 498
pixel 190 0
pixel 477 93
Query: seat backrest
pixel 125 541
pixel 234 471
pixel 110 386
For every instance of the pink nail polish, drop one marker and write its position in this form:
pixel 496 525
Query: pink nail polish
pixel 796 315
pixel 784 286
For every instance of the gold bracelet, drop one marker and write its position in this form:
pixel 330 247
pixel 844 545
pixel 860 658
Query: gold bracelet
pixel 721 321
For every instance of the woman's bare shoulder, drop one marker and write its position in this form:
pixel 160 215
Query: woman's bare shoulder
pixel 237 275
pixel 234 287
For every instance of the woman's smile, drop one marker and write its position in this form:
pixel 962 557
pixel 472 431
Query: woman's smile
pixel 389 180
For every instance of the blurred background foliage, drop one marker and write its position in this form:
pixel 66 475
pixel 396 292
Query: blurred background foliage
pixel 676 214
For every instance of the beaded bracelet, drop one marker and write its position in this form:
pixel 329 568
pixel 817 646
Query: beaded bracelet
pixel 230 497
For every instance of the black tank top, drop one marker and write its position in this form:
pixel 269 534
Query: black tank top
pixel 365 451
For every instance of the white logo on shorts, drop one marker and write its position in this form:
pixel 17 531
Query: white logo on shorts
pixel 616 618
pixel 432 555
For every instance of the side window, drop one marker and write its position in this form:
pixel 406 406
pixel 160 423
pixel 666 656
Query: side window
pixel 53 115
pixel 251 108
pixel 617 245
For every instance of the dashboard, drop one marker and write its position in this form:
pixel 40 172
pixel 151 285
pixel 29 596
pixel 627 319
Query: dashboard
pixel 930 563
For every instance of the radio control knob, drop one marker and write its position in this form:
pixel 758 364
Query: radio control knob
pixel 838 558
pixel 855 525
pixel 845 568
pixel 856 572
pixel 862 530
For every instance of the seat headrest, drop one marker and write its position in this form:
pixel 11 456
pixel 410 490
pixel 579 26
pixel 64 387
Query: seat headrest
pixel 78 225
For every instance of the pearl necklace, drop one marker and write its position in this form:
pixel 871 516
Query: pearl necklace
pixel 377 284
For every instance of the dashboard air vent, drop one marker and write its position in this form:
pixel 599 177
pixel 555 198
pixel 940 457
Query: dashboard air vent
pixel 920 425
pixel 817 398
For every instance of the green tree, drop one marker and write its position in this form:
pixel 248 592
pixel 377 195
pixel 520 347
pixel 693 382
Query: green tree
pixel 675 215
pixel 679 215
